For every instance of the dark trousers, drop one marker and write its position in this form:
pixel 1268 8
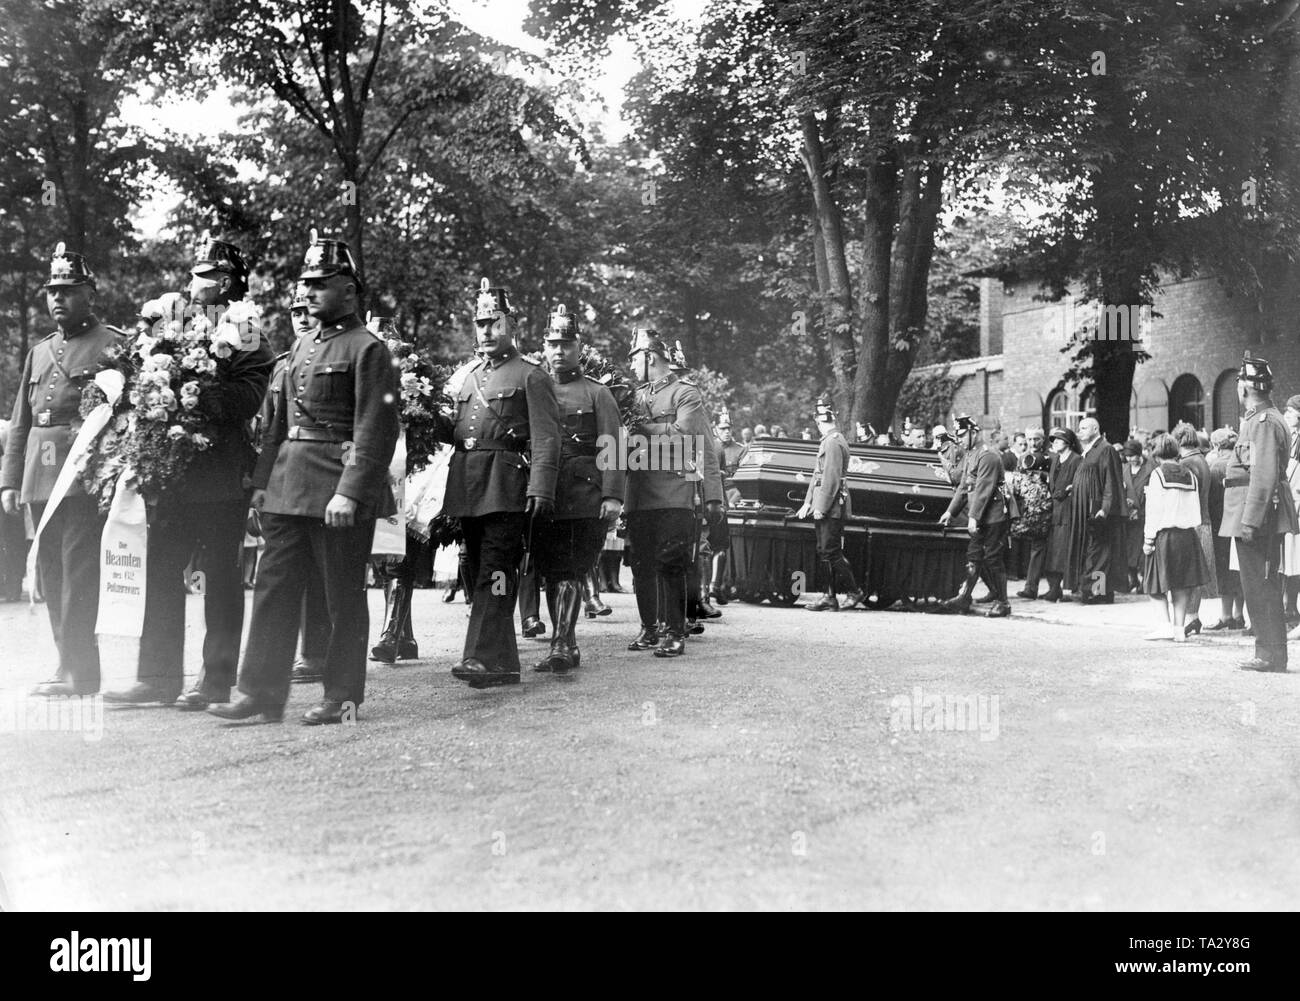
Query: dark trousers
pixel 494 546
pixel 565 549
pixel 529 600
pixel 68 565
pixel 177 531
pixel 661 544
pixel 1262 588
pixel 987 553
pixel 1096 577
pixel 315 625
pixel 13 556
pixel 830 550
pixel 1034 572
pixel 297 548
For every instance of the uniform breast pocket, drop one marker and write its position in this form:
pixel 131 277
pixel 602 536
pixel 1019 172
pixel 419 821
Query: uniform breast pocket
pixel 331 382
pixel 507 401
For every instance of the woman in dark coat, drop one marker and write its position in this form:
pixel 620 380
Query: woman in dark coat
pixel 1060 483
pixel 1137 470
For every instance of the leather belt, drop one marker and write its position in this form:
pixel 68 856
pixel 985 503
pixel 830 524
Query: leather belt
pixel 45 419
pixel 490 445
pixel 299 433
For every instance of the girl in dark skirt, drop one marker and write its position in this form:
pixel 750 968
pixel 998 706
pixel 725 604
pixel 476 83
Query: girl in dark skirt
pixel 1175 563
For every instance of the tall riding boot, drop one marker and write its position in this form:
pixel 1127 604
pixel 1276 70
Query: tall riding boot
pixel 673 589
pixel 647 606
pixel 717 582
pixel 703 565
pixel 591 602
pixel 1000 608
pixel 407 649
pixel 562 597
pixel 611 561
pixel 385 651
pixel 567 609
pixel 961 602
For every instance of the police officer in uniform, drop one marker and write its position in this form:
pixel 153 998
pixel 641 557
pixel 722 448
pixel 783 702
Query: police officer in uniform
pixel 46 418
pixel 1258 510
pixel 506 432
pixel 979 494
pixel 324 476
pixel 588 493
pixel 720 534
pixel 672 432
pixel 828 502
pixel 206 509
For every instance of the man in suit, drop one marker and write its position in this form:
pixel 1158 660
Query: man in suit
pixel 588 490
pixel 46 419
pixel 980 496
pixel 668 455
pixel 1097 514
pixel 506 432
pixel 323 479
pixel 827 500
pixel 204 510
pixel 1258 510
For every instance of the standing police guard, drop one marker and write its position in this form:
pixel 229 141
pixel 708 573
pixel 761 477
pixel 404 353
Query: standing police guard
pixel 324 473
pixel 1258 510
pixel 828 501
pixel 506 432
pixel 207 508
pixel 588 495
pixel 720 533
pixel 46 419
pixel 980 494
pixel 661 519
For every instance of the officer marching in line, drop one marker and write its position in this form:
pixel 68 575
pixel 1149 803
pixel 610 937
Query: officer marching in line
pixel 323 474
pixel 46 418
pixel 827 500
pixel 661 516
pixel 588 499
pixel 980 494
pixel 720 534
pixel 1258 510
pixel 206 509
pixel 396 639
pixel 506 432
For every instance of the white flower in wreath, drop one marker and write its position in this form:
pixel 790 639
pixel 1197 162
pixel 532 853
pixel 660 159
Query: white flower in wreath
pixel 168 399
pixel 175 432
pixel 190 388
pixel 156 414
pixel 245 319
pixel 410 382
pixel 200 326
pixel 226 341
pixel 144 345
pixel 201 441
pixel 172 330
pixel 189 402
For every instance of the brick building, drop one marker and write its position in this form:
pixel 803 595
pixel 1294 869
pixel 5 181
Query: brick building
pixel 1196 345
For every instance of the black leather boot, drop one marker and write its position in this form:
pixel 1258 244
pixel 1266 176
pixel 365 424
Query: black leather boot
pixel 717 581
pixel 385 651
pixel 704 563
pixel 564 616
pixel 610 562
pixel 960 603
pixel 407 648
pixel 591 602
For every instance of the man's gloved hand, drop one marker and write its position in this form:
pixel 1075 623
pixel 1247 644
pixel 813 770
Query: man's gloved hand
pixel 713 511
pixel 539 507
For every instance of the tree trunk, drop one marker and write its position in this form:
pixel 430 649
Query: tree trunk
pixel 828 253
pixel 880 213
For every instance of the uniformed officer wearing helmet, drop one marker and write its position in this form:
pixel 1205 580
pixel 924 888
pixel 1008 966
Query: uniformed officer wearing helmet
pixel 588 494
pixel 979 495
pixel 661 517
pixel 46 418
pixel 720 534
pixel 323 477
pixel 506 432
pixel 827 500
pixel 1258 510
pixel 205 510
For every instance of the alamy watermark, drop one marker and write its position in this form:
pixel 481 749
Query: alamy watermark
pixel 1067 321
pixel 83 714
pixel 960 713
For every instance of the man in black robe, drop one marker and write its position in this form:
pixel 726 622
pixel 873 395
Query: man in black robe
pixel 1097 517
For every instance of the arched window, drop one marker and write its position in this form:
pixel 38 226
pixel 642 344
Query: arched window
pixel 1187 402
pixel 1227 408
pixel 1067 406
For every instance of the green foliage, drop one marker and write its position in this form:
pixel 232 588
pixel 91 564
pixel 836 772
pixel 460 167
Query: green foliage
pixel 926 397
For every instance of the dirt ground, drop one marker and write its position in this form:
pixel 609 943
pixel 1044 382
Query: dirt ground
pixel 790 761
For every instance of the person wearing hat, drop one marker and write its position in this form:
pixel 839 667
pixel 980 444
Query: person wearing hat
pixel 1138 468
pixel 1258 510
pixel 979 494
pixel 720 534
pixel 506 430
pixel 1064 444
pixel 588 489
pixel 322 480
pixel 45 421
pixel 827 500
pixel 204 510
pixel 950 452
pixel 668 455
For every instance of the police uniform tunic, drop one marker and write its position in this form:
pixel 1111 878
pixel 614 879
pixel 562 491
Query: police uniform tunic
pixel 1256 496
pixel 669 463
pixel 46 420
pixel 979 495
pixel 334 424
pixel 828 496
pixel 506 434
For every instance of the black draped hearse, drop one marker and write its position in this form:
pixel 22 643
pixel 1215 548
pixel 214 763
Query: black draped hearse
pixel 893 539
